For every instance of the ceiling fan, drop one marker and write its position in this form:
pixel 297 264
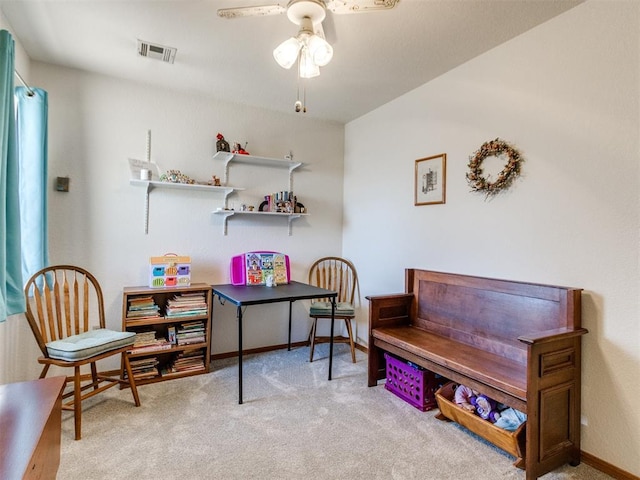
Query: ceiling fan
pixel 308 15
pixel 309 47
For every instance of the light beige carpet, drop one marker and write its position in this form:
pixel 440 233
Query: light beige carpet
pixel 294 424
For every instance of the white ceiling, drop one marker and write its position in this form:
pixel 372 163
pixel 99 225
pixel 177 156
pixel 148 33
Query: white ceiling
pixel 378 56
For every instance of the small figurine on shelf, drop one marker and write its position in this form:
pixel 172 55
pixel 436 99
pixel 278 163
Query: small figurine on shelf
pixel 237 148
pixel 216 181
pixel 176 176
pixel 222 145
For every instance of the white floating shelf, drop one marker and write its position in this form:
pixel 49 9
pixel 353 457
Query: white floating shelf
pixel 151 184
pixel 229 158
pixel 229 213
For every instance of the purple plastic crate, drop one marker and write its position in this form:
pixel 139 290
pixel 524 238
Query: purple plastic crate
pixel 412 384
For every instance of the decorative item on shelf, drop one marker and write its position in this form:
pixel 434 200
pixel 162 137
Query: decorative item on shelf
pixel 215 181
pixel 281 202
pixel 176 176
pixel 494 148
pixel 237 148
pixel 222 145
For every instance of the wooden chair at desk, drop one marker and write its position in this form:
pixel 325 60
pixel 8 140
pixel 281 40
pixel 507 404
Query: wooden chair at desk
pixel 65 310
pixel 339 275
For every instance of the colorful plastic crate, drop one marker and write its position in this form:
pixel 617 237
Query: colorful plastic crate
pixel 412 383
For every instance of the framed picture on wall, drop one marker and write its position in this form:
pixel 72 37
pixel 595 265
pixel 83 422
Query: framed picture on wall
pixel 430 181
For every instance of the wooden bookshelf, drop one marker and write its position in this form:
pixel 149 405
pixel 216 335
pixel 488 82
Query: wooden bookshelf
pixel 152 313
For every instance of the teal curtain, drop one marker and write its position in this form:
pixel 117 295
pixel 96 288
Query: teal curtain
pixel 11 294
pixel 31 124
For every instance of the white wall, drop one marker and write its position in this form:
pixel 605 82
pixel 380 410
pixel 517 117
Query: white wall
pixel 567 95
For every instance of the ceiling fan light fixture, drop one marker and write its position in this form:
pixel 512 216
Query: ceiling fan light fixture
pixel 307 69
pixel 321 51
pixel 286 53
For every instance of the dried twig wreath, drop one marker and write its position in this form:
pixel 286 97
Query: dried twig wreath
pixel 510 172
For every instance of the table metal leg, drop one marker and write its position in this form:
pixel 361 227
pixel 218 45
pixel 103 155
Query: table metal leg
pixel 239 315
pixel 333 319
pixel 289 342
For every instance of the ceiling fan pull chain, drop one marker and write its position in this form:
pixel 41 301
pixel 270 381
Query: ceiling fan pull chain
pixel 300 106
pixel 304 97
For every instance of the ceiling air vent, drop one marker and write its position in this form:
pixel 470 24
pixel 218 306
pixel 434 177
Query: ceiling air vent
pixel 159 52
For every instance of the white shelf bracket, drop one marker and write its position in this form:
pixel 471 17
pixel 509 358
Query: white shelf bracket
pixel 291 219
pixel 226 216
pixel 225 180
pixel 146 208
pixel 227 192
pixel 292 167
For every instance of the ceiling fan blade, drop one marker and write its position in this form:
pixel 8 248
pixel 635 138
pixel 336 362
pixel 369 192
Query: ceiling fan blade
pixel 251 11
pixel 358 6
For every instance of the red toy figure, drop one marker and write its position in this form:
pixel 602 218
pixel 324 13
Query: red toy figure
pixel 222 145
pixel 237 148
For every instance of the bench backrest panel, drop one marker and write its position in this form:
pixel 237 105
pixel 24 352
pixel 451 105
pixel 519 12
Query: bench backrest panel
pixel 488 313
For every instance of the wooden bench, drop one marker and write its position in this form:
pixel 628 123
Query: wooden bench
pixel 519 343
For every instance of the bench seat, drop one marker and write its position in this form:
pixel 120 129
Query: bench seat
pixel 486 368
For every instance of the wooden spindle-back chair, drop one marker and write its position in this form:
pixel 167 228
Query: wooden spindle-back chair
pixel 339 275
pixel 65 310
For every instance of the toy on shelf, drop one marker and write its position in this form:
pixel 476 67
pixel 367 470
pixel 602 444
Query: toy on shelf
pixel 237 148
pixel 222 145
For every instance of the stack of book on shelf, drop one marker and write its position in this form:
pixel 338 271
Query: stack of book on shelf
pixel 144 368
pixel 187 305
pixel 143 307
pixel 189 361
pixel 147 341
pixel 190 333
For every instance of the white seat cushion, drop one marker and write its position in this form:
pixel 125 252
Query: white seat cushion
pixel 324 308
pixel 88 344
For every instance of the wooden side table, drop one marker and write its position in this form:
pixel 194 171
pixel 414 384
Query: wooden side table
pixel 30 426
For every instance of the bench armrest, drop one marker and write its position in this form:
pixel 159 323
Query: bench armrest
pixel 552 335
pixel 388 310
pixel 385 311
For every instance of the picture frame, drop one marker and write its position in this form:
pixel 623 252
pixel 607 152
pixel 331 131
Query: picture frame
pixel 430 180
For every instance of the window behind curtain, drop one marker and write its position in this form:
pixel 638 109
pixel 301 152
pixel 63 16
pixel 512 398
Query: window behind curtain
pixel 31 126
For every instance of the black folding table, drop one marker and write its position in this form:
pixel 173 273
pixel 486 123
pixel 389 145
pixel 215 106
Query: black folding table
pixel 245 295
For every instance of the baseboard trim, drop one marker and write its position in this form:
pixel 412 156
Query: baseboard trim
pixel 250 351
pixel 607 468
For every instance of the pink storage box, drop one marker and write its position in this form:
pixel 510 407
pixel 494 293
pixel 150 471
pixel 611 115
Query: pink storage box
pixel 253 268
